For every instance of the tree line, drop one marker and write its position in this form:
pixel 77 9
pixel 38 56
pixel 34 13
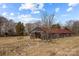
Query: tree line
pixel 10 28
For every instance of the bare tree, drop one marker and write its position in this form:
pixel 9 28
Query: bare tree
pixel 69 24
pixel 74 26
pixel 3 21
pixel 47 19
pixel 11 27
pixel 6 26
pixel 37 23
pixel 28 27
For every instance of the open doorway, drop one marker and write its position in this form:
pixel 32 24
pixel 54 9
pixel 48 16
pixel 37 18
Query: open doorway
pixel 37 34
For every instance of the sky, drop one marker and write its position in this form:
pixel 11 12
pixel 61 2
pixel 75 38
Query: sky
pixel 30 12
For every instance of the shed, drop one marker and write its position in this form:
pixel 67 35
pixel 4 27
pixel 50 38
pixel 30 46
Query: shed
pixel 49 33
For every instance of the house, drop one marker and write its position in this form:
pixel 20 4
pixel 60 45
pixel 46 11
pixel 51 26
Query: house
pixel 47 33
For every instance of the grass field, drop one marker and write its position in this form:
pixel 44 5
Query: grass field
pixel 24 46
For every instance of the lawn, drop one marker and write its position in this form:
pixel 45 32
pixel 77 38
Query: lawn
pixel 24 46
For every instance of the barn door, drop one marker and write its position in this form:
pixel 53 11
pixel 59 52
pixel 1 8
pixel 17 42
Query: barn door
pixel 37 34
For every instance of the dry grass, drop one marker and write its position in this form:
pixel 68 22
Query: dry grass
pixel 24 46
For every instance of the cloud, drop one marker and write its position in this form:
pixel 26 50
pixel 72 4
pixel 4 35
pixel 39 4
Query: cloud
pixel 41 6
pixel 24 16
pixel 4 6
pixel 27 18
pixel 34 7
pixel 26 6
pixel 57 9
pixel 11 14
pixel 69 9
pixel 73 4
pixel 31 6
pixel 4 14
pixel 36 12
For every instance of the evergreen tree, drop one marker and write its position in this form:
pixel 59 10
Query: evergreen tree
pixel 56 26
pixel 20 28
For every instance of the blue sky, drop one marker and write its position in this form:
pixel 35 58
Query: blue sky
pixel 30 12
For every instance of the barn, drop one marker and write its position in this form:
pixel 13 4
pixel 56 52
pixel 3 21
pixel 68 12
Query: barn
pixel 49 33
